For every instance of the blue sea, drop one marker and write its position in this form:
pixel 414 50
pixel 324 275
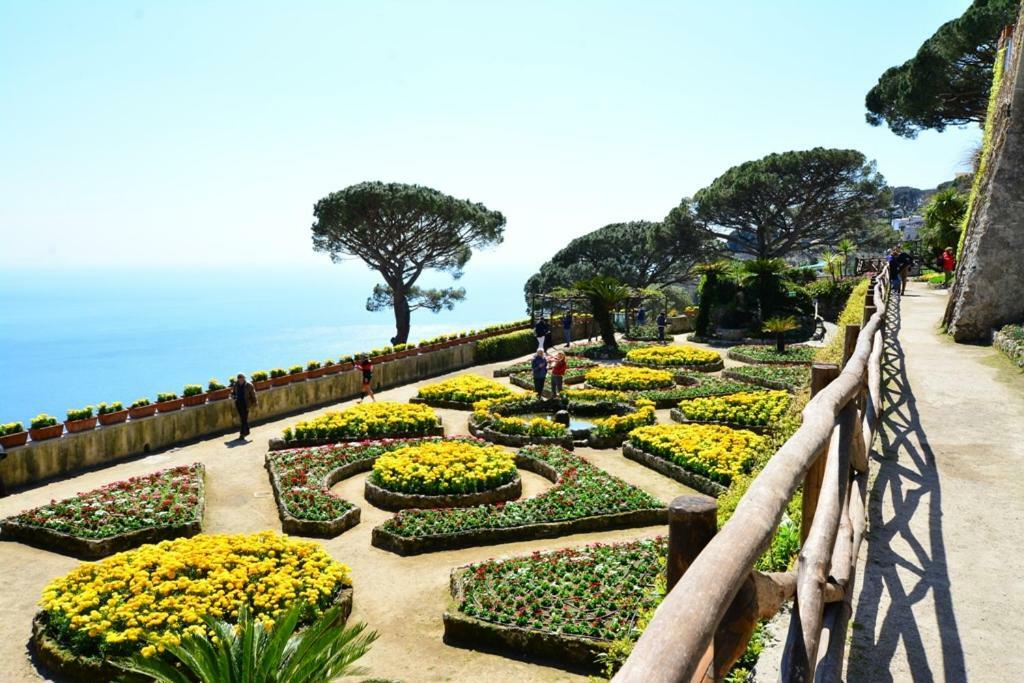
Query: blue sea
pixel 73 338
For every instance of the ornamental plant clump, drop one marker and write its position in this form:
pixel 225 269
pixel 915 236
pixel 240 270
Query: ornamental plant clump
pixel 583 490
pixel 673 356
pixel 140 403
pixel 378 419
pixel 170 497
pixel 275 373
pixel 295 369
pixel 792 375
pixel 596 395
pixel 260 376
pixel 769 354
pixel 444 467
pixel 142 600
pixel 80 413
pixel 749 408
pixel 516 426
pixel 11 428
pixel 107 408
pixel 596 591
pixel 719 453
pixel 464 389
pixel 621 377
pixel 707 386
pixel 192 390
pixel 214 384
pixel 623 424
pixel 43 420
pixel 166 396
pixel 313 365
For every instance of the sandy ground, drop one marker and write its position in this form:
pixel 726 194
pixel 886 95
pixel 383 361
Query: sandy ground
pixel 401 598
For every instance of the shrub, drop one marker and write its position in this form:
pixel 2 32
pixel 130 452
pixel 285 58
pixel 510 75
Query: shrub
pixel 464 389
pixel 378 419
pixel 628 378
pixel 107 408
pixel 719 453
pixel 505 346
pixel 749 408
pixel 166 396
pixel 140 403
pixel 647 332
pixel 444 467
pixel 770 354
pixel 11 428
pixel 80 413
pixel 42 420
pixel 831 295
pixel 260 376
pixel 852 314
pixel 192 390
pixel 673 356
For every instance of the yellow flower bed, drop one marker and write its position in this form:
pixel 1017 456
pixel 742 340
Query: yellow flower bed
pixel 383 418
pixel 444 467
pixel 144 599
pixel 625 378
pixel 754 408
pixel 719 453
pixel 464 389
pixel 672 356
pixel 622 424
pixel 596 395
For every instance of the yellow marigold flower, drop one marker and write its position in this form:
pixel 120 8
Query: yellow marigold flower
pixel 672 356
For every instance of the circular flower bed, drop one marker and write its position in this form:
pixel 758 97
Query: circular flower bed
pixel 461 392
pixel 144 599
pixel 716 452
pixel 628 378
pixel 746 409
pixel 770 355
pixel 788 377
pixel 444 467
pixel 689 357
pixel 365 420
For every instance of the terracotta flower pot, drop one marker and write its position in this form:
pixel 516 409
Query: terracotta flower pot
pixel 118 416
pixel 344 366
pixel 218 394
pixel 44 433
pixel 75 426
pixel 141 411
pixel 169 406
pixel 197 400
pixel 332 369
pixel 12 440
pixel 261 385
pixel 300 376
pixel 280 381
pixel 319 372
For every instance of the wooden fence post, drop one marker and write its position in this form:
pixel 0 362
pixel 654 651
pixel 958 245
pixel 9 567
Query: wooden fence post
pixel 869 311
pixel 821 375
pixel 692 523
pixel 850 342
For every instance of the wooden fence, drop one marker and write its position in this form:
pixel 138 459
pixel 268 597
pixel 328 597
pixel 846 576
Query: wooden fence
pixel 716 598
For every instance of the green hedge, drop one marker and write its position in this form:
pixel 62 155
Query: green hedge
pixel 505 346
pixel 852 314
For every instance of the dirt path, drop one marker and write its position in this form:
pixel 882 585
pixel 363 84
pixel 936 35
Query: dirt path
pixel 939 580
pixel 402 598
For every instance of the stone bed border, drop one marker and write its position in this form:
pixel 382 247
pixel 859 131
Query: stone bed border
pixel 760 382
pixel 673 471
pixel 56 658
pixel 395 500
pixel 278 443
pixel 677 416
pixel 567 651
pixel 700 367
pixel 97 548
pixel 519 440
pixel 403 546
pixel 744 358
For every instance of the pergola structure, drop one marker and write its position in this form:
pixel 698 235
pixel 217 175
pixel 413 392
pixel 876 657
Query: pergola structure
pixel 567 300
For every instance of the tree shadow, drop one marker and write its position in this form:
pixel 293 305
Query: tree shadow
pixel 906 476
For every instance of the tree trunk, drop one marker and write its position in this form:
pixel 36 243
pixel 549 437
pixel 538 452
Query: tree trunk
pixel 402 317
pixel 780 342
pixel 604 321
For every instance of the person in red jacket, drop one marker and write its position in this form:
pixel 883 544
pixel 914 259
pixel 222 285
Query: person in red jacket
pixel 558 367
pixel 948 264
pixel 365 366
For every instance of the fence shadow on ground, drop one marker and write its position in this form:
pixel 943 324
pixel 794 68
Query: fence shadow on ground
pixel 902 577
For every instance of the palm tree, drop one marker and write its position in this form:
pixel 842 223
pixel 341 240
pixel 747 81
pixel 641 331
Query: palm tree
pixel 779 327
pixel 605 293
pixel 249 653
pixel 845 247
pixel 764 277
pixel 833 264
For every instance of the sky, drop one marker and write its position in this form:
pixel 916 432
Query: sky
pixel 196 134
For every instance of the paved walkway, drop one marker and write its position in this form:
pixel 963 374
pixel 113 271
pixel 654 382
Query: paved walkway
pixel 939 594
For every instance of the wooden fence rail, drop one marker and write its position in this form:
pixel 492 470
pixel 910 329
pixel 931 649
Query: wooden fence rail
pixel 711 609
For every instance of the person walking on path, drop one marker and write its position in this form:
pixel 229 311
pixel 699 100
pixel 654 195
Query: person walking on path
pixel 558 367
pixel 641 317
pixel 540 371
pixel 365 366
pixel 541 330
pixel 903 263
pixel 567 328
pixel 894 269
pixel 948 265
pixel 661 321
pixel 244 395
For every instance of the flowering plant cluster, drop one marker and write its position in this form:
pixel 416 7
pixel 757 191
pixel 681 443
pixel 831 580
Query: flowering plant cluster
pixel 582 490
pixel 769 354
pixel 302 473
pixel 623 424
pixel 706 386
pixel 672 356
pixel 526 367
pixel 169 497
pixel 719 453
pixel 599 350
pixel 444 467
pixel 750 408
pixel 145 599
pixel 464 389
pixel 795 376
pixel 377 419
pixel 648 332
pixel 622 377
pixel 596 591
pixel 499 414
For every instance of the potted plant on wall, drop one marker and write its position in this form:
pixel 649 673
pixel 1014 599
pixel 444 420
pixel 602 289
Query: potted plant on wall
pixel 80 420
pixel 279 377
pixel 330 367
pixel 13 434
pixel 168 402
pixel 141 408
pixel 111 413
pixel 314 369
pixel 260 380
pixel 297 374
pixel 216 390
pixel 345 363
pixel 193 395
pixel 45 427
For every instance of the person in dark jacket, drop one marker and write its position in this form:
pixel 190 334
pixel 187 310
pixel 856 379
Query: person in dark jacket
pixel 903 263
pixel 661 321
pixel 641 317
pixel 540 371
pixel 567 328
pixel 541 330
pixel 365 366
pixel 244 395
